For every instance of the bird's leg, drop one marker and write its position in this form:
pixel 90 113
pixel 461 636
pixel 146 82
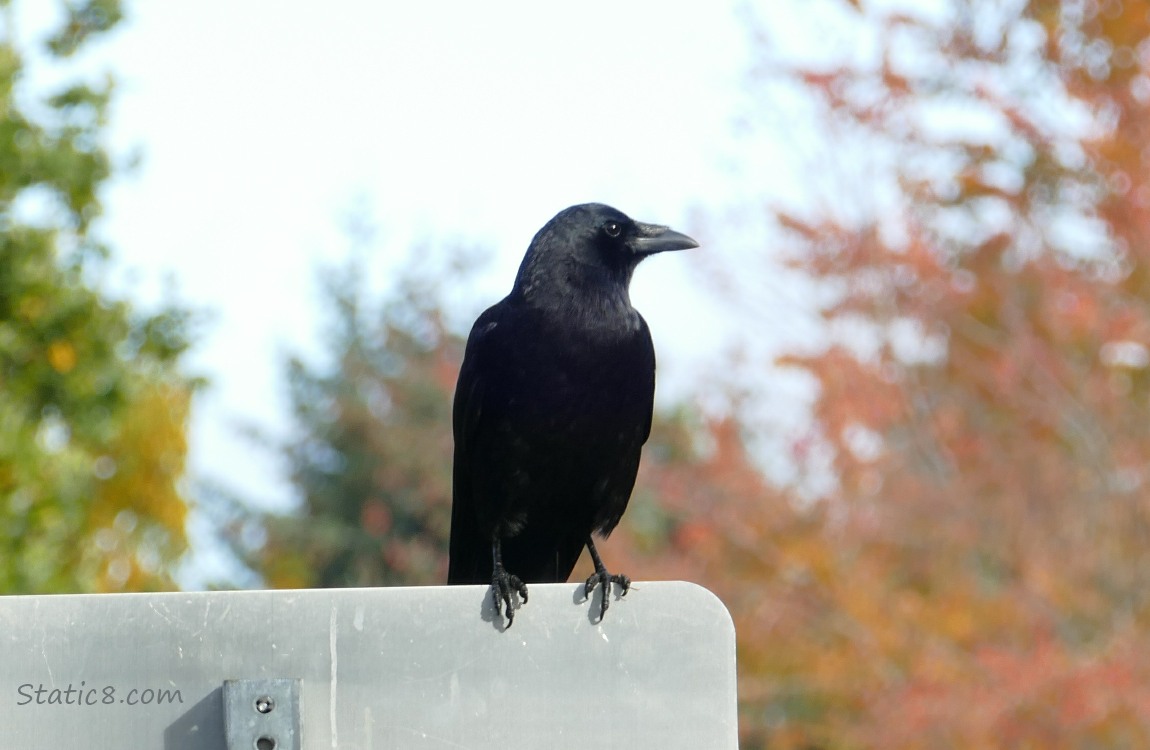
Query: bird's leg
pixel 503 585
pixel 602 576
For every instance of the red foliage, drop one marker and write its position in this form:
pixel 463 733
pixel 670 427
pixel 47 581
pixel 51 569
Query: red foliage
pixel 977 578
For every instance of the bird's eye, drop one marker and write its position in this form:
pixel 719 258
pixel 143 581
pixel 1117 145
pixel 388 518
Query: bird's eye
pixel 612 228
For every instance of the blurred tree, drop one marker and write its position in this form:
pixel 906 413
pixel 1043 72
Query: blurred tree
pixel 371 457
pixel 92 408
pixel 977 575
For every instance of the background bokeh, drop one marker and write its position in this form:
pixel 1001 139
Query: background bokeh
pixel 903 401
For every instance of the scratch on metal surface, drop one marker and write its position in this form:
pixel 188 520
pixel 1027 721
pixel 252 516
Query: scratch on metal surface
pixel 334 687
pixel 451 669
pixel 207 615
pixel 358 620
pixel 368 742
pixel 167 618
pixel 44 653
pixel 204 624
pixel 440 739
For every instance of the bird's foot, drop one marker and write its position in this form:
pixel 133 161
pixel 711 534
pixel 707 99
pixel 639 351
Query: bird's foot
pixel 601 576
pixel 504 587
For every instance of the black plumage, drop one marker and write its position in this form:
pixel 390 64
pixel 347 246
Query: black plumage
pixel 553 406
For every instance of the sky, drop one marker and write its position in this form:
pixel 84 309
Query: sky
pixel 263 126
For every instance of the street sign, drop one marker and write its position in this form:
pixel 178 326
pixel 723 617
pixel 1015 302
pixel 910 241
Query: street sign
pixel 367 669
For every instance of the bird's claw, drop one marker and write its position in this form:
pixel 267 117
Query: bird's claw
pixel 503 587
pixel 605 578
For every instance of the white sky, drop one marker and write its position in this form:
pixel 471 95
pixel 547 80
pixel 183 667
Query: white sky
pixel 261 123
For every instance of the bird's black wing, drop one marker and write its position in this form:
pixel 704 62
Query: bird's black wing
pixel 471 516
pixel 631 431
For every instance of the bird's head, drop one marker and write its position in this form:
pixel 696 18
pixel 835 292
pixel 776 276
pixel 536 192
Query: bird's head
pixel 592 247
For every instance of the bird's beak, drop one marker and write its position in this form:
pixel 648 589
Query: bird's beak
pixel 652 238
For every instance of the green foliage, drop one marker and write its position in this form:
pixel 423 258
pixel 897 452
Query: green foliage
pixel 83 20
pixel 93 411
pixel 371 459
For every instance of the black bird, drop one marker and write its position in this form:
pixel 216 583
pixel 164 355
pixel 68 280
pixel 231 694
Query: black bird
pixel 553 406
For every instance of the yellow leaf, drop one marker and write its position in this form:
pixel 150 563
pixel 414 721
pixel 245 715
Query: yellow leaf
pixel 62 356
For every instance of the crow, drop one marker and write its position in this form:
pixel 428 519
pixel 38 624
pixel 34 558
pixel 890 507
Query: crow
pixel 552 408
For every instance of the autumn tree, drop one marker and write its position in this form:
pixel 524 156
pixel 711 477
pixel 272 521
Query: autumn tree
pixel 93 408
pixel 976 575
pixel 370 451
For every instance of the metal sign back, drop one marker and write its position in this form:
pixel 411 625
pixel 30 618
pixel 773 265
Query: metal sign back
pixel 374 668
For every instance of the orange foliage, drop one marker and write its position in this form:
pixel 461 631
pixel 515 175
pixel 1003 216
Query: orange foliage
pixel 978 576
